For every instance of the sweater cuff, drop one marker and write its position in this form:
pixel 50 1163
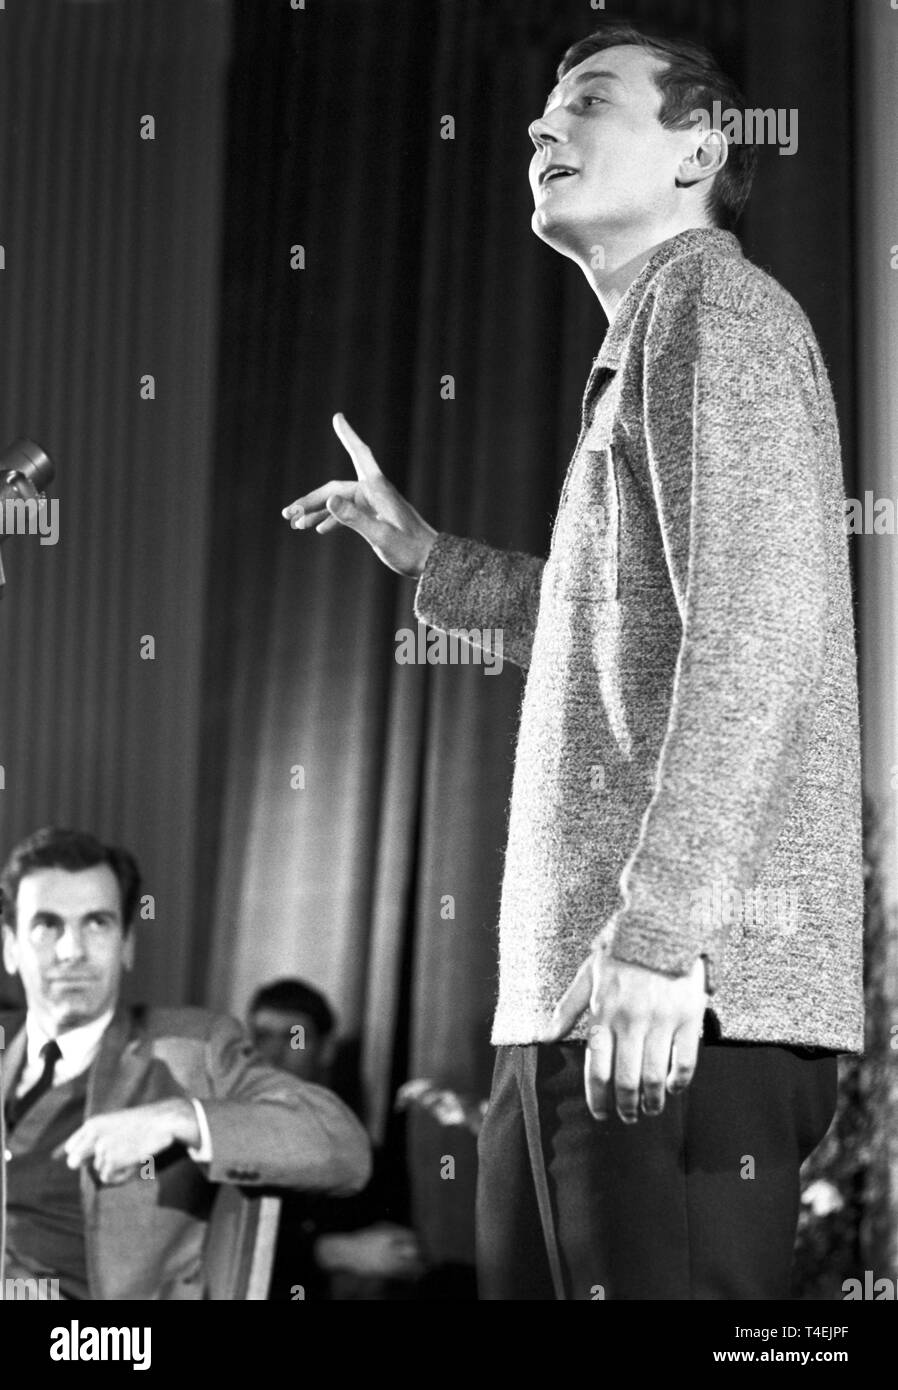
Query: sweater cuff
pixel 637 940
pixel 438 585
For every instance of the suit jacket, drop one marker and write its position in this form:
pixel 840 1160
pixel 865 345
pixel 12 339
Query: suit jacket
pixel 145 1238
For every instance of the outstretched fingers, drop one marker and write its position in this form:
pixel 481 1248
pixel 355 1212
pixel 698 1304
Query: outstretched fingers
pixel 312 511
pixel 363 460
pixel 307 511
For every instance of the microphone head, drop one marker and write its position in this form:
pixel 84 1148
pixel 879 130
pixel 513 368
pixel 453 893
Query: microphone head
pixel 29 459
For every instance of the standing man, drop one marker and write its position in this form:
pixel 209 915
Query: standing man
pixel 682 899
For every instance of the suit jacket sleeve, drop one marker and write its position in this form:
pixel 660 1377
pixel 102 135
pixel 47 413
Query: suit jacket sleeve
pixel 467 584
pixel 269 1129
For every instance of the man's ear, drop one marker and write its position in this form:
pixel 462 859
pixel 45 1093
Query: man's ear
pixel 129 947
pixel 706 160
pixel 10 950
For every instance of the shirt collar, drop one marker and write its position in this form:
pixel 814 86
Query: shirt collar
pixel 77 1047
pixel 693 239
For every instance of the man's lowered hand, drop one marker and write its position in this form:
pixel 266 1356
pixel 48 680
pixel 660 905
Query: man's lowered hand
pixel 644 1031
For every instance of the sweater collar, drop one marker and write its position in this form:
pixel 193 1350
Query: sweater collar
pixel 694 239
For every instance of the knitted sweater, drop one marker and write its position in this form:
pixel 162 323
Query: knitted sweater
pixel 687 773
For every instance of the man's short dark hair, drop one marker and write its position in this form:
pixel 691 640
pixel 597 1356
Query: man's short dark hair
pixel 73 850
pixel 691 81
pixel 296 997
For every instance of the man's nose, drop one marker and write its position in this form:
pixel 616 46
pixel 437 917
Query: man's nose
pixel 70 944
pixel 544 132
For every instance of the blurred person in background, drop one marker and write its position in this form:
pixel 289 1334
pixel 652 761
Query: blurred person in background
pixel 341 1251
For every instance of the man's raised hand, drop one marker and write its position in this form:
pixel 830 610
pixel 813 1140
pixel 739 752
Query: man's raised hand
pixel 372 506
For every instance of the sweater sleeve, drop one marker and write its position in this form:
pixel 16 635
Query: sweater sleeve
pixel 735 455
pixel 469 585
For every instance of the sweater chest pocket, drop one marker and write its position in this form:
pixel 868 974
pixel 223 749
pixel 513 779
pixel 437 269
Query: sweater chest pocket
pixel 584 551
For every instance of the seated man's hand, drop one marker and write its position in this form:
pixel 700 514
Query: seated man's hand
pixel 118 1144
pixel 445 1106
pixel 644 1031
pixel 383 1251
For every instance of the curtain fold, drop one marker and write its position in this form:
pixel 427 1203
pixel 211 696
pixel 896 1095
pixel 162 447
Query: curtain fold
pixel 111 273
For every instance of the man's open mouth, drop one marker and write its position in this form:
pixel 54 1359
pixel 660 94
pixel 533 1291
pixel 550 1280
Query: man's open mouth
pixel 555 171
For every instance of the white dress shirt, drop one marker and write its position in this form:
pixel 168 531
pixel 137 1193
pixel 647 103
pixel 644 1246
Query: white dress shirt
pixel 78 1048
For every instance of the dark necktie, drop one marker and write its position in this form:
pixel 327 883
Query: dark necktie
pixel 17 1106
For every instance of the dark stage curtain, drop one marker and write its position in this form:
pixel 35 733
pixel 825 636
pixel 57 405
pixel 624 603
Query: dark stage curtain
pixel 343 798
pixel 111 273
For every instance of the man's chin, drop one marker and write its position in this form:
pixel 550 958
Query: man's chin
pixel 557 232
pixel 72 1013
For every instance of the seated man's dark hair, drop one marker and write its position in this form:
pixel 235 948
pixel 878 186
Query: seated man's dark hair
pixel 296 997
pixel 691 81
pixel 53 848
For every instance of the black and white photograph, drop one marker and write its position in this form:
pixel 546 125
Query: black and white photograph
pixel 449 670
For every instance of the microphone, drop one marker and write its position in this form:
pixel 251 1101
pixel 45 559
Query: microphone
pixel 25 471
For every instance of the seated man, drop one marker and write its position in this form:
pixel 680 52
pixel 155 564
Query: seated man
pixel 332 1250
pixel 119 1122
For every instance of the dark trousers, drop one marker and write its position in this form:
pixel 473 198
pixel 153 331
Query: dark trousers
pixel 698 1203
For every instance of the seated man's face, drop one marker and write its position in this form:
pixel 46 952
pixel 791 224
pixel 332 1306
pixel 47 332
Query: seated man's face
pixel 291 1042
pixel 68 945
